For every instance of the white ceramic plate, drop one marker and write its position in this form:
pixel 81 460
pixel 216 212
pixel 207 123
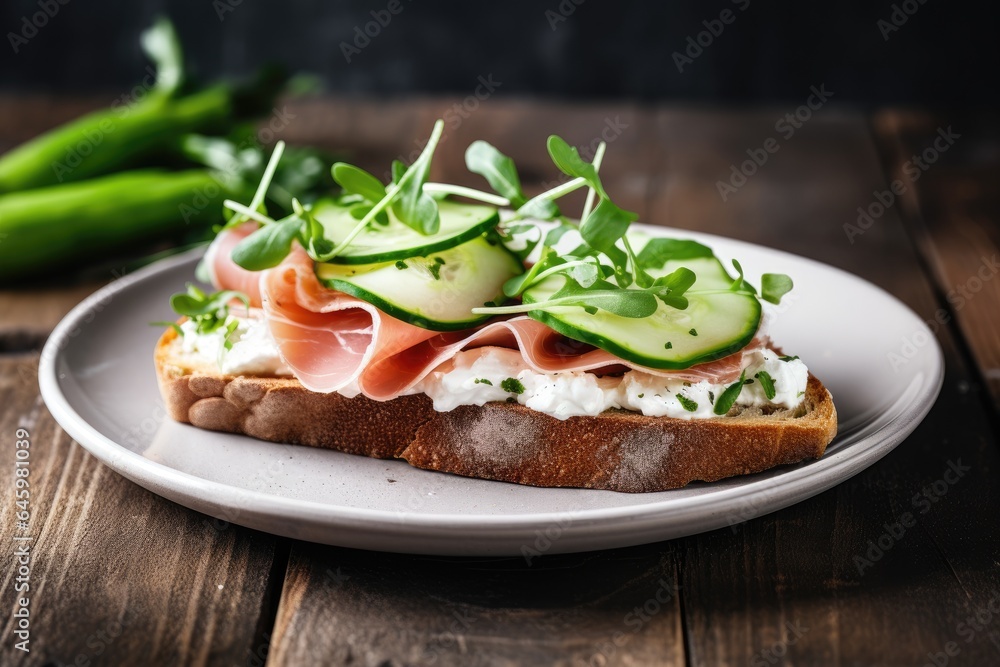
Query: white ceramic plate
pixel 97 378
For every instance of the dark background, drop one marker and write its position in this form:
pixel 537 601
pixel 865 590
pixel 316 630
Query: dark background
pixel 945 54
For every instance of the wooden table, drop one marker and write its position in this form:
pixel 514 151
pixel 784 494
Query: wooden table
pixel 121 576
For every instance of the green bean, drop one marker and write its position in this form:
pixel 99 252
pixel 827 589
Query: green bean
pixel 77 222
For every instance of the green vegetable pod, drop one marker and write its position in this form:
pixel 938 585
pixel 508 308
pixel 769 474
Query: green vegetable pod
pixel 45 229
pixel 111 139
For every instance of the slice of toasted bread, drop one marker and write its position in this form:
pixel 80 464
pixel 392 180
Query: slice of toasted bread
pixel 617 450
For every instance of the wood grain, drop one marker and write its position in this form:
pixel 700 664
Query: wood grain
pixel 953 212
pixel 119 576
pixel 790 583
pixel 557 610
pixel 778 589
pixel 342 606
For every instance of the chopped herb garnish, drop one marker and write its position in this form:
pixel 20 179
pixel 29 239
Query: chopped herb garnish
pixel 173 325
pixel 693 332
pixel 641 395
pixel 767 383
pixel 728 397
pixel 400 264
pixel 230 328
pixel 801 393
pixel 748 381
pixel 668 346
pixel 711 397
pixel 513 385
pixel 483 381
pixel 687 403
pixel 209 312
pixel 788 358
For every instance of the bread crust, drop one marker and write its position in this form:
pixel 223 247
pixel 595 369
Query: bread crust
pixel 617 450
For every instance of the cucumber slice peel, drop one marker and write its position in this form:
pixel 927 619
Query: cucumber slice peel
pixel 715 324
pixel 395 240
pixel 436 292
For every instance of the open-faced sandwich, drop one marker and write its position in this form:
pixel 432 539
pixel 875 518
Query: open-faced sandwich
pixel 497 339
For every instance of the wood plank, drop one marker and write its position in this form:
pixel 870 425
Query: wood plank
pixel 118 575
pixel 796 571
pixel 343 606
pixel 953 210
pixel 29 314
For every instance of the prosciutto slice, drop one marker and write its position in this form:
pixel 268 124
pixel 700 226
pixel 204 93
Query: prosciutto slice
pixel 335 342
pixel 227 274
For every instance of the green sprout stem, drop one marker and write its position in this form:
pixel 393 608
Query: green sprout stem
pixel 390 194
pixel 265 182
pixel 556 269
pixel 591 193
pixel 558 191
pixel 247 213
pixel 470 193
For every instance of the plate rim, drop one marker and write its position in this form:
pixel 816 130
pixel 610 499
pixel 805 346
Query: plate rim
pixel 183 487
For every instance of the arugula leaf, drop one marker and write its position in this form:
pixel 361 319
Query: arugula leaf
pixel 267 246
pixel 412 206
pixel 555 234
pixel 642 278
pixel 658 252
pixel 539 209
pixel 728 397
pixel 670 288
pixel 499 171
pixel 568 159
pixel 514 286
pixel 208 311
pixel 358 181
pixel 767 384
pixel 523 234
pixel 605 296
pixel 398 169
pixel 773 286
pixel 605 225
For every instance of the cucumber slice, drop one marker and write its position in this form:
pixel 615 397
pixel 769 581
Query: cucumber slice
pixel 384 243
pixel 436 292
pixel 723 322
